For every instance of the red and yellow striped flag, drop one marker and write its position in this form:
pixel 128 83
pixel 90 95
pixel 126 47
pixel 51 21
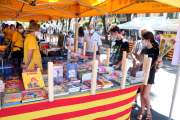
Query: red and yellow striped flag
pixel 109 105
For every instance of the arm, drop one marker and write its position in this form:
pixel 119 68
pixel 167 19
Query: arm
pixel 99 48
pixel 12 45
pixel 29 57
pixel 135 58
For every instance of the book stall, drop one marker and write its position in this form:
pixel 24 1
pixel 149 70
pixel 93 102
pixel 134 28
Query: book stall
pixel 76 88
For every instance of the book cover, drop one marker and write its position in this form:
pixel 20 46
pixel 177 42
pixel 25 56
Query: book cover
pixel 58 71
pixel 71 70
pixel 32 95
pixel 12 97
pixel 100 77
pixel 8 104
pixel 83 87
pixel 59 90
pixel 73 87
pixel 74 80
pixel 2 86
pixel 88 82
pixel 11 90
pixel 106 82
pixel 59 81
pixel 15 83
pixel 33 80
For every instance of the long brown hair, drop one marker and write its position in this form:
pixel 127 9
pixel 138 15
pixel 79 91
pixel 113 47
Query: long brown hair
pixel 33 26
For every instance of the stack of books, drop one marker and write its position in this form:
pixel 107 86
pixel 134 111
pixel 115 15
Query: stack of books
pixel 88 82
pixel 11 99
pixel 105 83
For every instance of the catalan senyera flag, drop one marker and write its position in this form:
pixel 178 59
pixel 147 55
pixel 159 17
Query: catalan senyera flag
pixel 110 105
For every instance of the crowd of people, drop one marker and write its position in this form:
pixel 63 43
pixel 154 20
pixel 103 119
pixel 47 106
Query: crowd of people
pixel 29 50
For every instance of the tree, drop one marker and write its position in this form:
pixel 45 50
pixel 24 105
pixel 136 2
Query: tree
pixel 103 17
pixel 113 22
pixel 65 25
pixel 128 16
pixel 100 24
pixel 69 23
pixel 41 23
pixel 57 22
pixel 62 22
pixel 86 23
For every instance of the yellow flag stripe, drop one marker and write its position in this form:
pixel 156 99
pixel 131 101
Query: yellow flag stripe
pixel 104 113
pixel 70 108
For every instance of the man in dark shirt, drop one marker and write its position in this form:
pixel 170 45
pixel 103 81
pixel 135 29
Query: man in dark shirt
pixel 133 37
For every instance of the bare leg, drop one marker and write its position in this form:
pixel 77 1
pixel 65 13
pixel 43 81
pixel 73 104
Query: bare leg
pixel 147 89
pixel 142 99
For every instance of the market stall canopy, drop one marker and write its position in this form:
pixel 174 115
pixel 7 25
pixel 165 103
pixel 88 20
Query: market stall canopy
pixel 60 9
pixel 157 23
pixel 52 25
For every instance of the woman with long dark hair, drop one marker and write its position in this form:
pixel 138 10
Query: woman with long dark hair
pixel 80 37
pixel 152 50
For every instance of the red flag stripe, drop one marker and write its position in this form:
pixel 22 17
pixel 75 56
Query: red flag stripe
pixel 88 111
pixel 115 116
pixel 62 102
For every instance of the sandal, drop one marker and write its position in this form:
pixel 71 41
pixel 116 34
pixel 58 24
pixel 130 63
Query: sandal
pixel 149 117
pixel 140 116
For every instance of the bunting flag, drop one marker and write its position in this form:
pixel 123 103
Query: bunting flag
pixel 109 105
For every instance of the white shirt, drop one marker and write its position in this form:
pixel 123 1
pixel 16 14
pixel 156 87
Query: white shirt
pixel 72 42
pixel 91 41
pixel 80 39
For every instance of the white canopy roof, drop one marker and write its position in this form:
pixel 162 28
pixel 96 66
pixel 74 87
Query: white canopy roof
pixel 156 23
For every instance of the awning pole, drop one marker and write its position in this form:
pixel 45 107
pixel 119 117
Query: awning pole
pixel 175 90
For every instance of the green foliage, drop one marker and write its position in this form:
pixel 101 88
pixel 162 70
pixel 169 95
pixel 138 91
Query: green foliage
pixel 100 24
pixel 86 23
pixel 65 25
pixel 41 23
pixel 113 21
pixel 24 24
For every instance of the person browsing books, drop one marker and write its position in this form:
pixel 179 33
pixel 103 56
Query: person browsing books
pixel 91 39
pixel 69 37
pixel 80 37
pixel 152 50
pixel 32 54
pixel 120 46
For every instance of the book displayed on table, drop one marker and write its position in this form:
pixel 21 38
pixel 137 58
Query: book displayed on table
pixel 73 87
pixel 71 70
pixel 59 90
pixel 11 90
pixel 33 80
pixel 88 82
pixel 105 83
pixel 32 95
pixel 83 87
pixel 12 97
pixel 15 83
pixel 57 71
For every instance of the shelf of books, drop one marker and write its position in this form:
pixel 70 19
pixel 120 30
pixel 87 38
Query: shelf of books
pixel 77 88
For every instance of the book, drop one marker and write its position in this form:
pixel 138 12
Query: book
pixel 15 83
pixel 59 81
pixel 12 97
pixel 58 71
pixel 33 80
pixel 88 82
pixel 11 90
pixel 110 76
pixel 32 95
pixel 83 87
pixel 71 70
pixel 100 77
pixel 105 83
pixel 59 90
pixel 72 87
pixel 74 80
pixel 9 104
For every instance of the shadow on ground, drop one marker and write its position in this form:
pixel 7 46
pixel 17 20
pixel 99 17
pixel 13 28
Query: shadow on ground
pixel 155 115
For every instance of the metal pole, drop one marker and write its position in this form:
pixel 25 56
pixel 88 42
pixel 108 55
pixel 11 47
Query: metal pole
pixel 175 89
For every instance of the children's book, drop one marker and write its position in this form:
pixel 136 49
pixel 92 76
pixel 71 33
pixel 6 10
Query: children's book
pixel 15 83
pixel 59 81
pixel 32 95
pixel 58 71
pixel 8 104
pixel 59 90
pixel 73 87
pixel 83 87
pixel 12 97
pixel 71 70
pixel 11 90
pixel 33 80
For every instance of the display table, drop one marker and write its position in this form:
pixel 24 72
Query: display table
pixel 107 104
pixel 131 45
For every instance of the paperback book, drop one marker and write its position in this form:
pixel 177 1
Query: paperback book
pixel 12 97
pixel 71 70
pixel 15 83
pixel 11 90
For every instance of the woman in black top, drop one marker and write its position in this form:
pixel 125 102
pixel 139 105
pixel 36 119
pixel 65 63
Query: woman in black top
pixel 121 45
pixel 152 50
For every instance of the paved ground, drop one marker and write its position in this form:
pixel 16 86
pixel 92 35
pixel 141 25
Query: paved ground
pixel 161 92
